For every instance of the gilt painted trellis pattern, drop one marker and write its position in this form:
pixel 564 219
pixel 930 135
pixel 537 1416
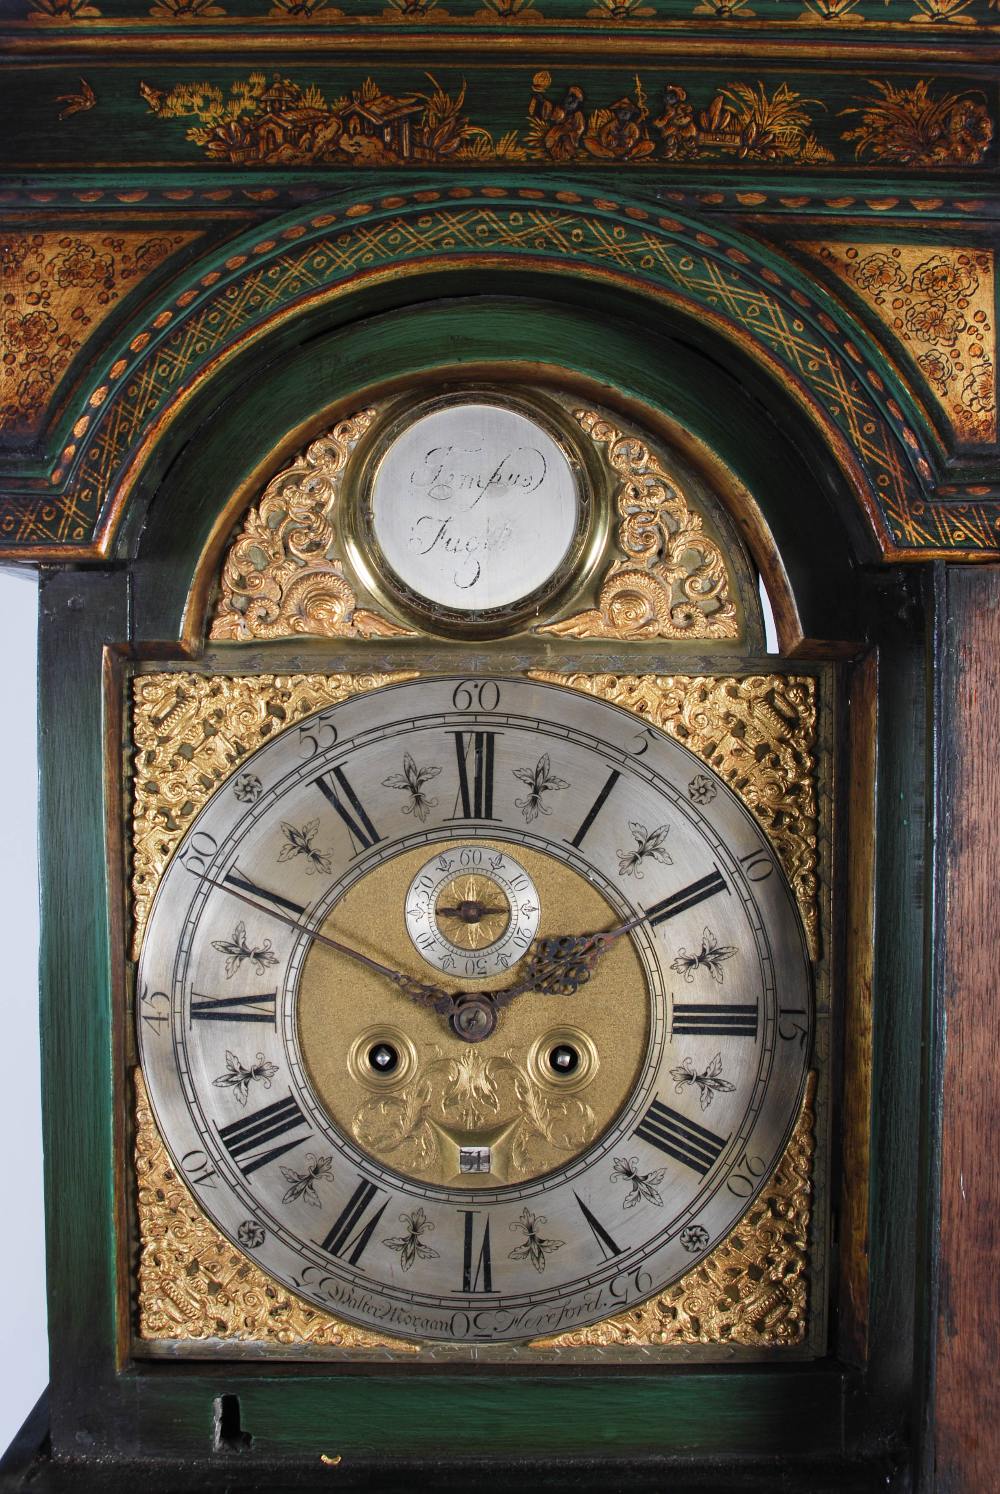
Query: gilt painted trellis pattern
pixel 306 262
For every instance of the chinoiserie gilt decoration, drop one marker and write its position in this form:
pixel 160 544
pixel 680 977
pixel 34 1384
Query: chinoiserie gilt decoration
pixel 190 733
pixel 193 1284
pixel 672 581
pixel 752 1290
pixel 280 577
pixel 57 290
pixel 627 120
pixel 512 14
pixel 939 302
pixel 757 732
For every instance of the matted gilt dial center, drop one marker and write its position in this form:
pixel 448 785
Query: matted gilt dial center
pixel 472 911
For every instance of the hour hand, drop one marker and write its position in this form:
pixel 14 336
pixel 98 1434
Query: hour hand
pixel 562 963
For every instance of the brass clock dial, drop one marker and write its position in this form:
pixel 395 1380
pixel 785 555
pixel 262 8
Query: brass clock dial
pixel 332 1097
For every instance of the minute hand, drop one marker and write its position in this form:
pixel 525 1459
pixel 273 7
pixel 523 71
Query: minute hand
pixel 435 997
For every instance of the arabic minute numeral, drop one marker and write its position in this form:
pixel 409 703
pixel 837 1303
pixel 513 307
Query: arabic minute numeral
pixel 481 695
pixel 595 808
pixel 759 865
pixel 645 736
pixel 251 1135
pixel 154 1019
pixel 682 1139
pixel 199 852
pixel 477 1269
pixel 688 897
pixel 349 1235
pixel 745 1176
pixel 198 1169
pixel 605 1241
pixel 790 1029
pixel 317 735
pixel 337 790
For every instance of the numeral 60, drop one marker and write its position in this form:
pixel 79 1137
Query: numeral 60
pixel 481 695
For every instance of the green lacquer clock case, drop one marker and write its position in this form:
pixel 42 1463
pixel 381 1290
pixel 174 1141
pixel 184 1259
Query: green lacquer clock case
pixel 494 697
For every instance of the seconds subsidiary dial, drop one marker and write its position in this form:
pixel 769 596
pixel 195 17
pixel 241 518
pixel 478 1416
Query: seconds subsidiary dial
pixel 474 1010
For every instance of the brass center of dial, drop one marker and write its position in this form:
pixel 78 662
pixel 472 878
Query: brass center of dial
pixel 398 1082
pixel 472 912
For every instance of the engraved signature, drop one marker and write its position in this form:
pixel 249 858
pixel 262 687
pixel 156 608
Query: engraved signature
pixel 450 473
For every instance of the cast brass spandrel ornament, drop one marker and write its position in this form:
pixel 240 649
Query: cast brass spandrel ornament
pixel 190 734
pixel 672 580
pixel 753 1290
pixel 194 1284
pixel 281 577
pixel 758 732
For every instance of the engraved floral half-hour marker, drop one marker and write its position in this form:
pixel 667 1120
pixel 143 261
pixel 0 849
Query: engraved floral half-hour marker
pixel 303 1184
pixel 411 781
pixel 251 1235
pixel 247 787
pixel 540 780
pixel 701 789
pixel 649 845
pixel 239 1076
pixel 642 1185
pixel 535 1247
pixel 694 1237
pixel 708 1081
pixel 239 949
pixel 710 957
pixel 300 843
pixel 409 1245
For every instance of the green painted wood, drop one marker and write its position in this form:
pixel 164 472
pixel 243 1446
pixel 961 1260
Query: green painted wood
pixel 500 16
pixel 899 1224
pixel 690 1413
pixel 80 1076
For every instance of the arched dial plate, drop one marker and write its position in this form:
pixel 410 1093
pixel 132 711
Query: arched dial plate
pixel 693 1034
